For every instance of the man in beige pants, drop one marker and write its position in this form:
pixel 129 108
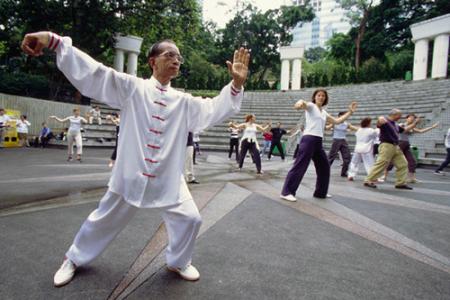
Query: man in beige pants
pixel 389 151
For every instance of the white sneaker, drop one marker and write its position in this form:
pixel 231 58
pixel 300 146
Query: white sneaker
pixel 329 196
pixel 288 198
pixel 189 272
pixel 439 173
pixel 65 273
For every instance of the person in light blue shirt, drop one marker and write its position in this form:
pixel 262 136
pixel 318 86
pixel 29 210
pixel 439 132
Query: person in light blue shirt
pixel 340 145
pixel 44 136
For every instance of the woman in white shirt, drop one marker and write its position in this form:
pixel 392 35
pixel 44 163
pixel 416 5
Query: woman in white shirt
pixel 365 140
pixel 22 131
pixel 248 141
pixel 311 147
pixel 74 133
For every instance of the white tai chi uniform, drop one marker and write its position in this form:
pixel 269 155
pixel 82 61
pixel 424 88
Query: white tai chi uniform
pixel 4 119
pixel 155 121
pixel 74 134
pixel 365 139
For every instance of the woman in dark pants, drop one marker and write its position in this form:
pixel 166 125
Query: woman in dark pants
pixel 249 141
pixel 311 147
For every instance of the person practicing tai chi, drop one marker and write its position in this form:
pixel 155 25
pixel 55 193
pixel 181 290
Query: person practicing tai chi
pixel 298 134
pixel 440 169
pixel 234 142
pixel 155 121
pixel 267 142
pixel 340 144
pixel 115 119
pixel 405 146
pixel 277 134
pixel 311 147
pixel 96 114
pixel 389 151
pixel 189 162
pixel 365 139
pixel 248 141
pixel 73 133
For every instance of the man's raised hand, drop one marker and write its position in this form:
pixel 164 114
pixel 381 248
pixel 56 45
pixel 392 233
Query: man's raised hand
pixel 34 43
pixel 239 67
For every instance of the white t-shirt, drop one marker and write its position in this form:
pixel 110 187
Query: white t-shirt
pixel 75 123
pixel 365 138
pixel 249 133
pixel 315 120
pixel 22 126
pixel 3 120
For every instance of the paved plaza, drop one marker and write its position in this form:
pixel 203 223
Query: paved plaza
pixel 360 244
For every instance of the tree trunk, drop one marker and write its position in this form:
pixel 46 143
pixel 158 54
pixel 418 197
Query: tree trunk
pixel 359 37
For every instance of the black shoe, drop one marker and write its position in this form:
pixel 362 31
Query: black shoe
pixel 403 187
pixel 370 184
pixel 193 182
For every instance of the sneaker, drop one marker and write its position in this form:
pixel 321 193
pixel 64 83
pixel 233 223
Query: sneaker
pixel 350 178
pixel 65 273
pixel 329 196
pixel 290 198
pixel 439 173
pixel 194 181
pixel 69 158
pixel 413 180
pixel 189 272
pixel 380 180
pixel 403 187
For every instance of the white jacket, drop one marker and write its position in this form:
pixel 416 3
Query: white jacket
pixel 154 125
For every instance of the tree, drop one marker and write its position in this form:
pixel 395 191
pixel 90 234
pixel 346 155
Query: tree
pixel 315 54
pixel 263 33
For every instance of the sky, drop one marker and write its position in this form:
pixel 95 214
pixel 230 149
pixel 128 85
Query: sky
pixel 220 11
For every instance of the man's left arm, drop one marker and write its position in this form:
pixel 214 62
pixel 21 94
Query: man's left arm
pixel 206 112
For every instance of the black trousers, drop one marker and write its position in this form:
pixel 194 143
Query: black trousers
pixel 445 162
pixel 114 154
pixel 296 150
pixel 234 145
pixel 246 146
pixel 340 145
pixel 279 146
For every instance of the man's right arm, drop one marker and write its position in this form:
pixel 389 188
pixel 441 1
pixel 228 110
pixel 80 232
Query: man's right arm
pixel 90 77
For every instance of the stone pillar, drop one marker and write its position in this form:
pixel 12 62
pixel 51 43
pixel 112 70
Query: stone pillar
pixel 132 63
pixel 296 74
pixel 440 56
pixel 285 74
pixel 119 60
pixel 420 59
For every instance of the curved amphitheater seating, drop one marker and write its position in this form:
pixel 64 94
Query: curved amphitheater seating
pixel 427 98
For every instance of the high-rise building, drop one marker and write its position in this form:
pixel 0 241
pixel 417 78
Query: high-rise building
pixel 330 18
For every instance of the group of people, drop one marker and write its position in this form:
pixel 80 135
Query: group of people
pixel 151 152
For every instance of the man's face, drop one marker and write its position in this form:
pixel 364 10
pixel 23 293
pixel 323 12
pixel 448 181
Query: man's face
pixel 2 112
pixel 168 62
pixel 279 125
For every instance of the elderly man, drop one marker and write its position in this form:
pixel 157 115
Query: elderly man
pixel 155 121
pixel 389 151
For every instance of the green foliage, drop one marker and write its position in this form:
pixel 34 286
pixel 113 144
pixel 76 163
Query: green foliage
pixel 263 33
pixel 315 54
pixel 24 84
pixel 372 70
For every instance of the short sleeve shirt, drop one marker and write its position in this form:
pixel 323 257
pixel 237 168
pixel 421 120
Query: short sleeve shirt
pixel 315 120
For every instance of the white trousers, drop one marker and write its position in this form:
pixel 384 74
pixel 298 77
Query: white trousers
pixel 74 136
pixel 366 158
pixel 99 120
pixel 189 164
pixel 113 214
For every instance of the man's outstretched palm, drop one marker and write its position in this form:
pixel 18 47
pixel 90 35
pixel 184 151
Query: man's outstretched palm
pixel 239 68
